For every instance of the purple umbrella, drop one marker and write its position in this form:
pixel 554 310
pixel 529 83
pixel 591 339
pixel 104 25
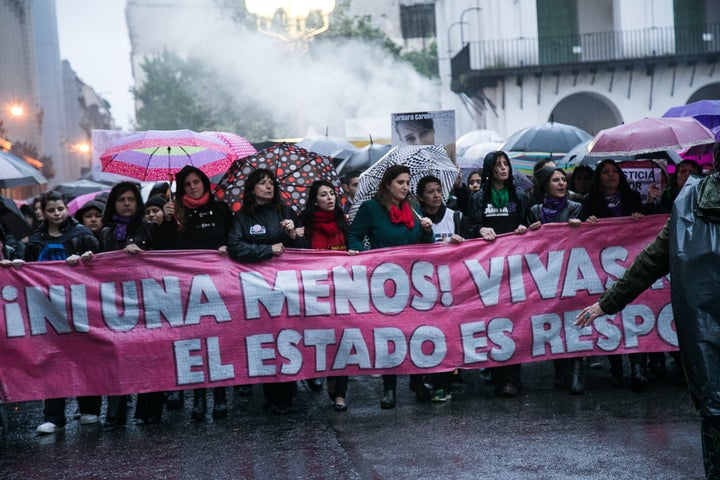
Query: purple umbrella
pixel 706 112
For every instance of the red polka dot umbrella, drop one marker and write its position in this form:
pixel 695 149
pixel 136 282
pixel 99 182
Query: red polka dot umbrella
pixel 295 168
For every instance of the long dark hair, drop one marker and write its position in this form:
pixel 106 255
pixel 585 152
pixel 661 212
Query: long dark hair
pixel 596 189
pixel 383 195
pixel 249 204
pixel 180 177
pixel 115 193
pixel 489 169
pixel 311 208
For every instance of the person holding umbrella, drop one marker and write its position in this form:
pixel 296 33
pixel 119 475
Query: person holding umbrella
pixel 610 195
pixel 196 221
pixel 388 220
pixel 261 230
pixel 498 208
pixel 683 170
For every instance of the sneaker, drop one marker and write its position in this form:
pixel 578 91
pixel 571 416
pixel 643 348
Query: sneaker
pixel 439 395
pixel 87 419
pixel 48 427
pixel 457 388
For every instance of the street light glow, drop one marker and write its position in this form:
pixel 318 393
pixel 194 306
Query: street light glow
pixel 82 147
pixel 16 110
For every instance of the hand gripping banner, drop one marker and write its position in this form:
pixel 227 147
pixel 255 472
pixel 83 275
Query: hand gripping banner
pixel 165 320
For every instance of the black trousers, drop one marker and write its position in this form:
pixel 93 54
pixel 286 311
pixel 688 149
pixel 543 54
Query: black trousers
pixel 54 408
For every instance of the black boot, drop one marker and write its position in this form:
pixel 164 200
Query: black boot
pixel 199 405
pixel 420 387
pixel 616 370
pixel 219 403
pixel 388 399
pixel 559 381
pixel 639 379
pixel 116 415
pixel 576 376
pixel 175 400
pixel 710 435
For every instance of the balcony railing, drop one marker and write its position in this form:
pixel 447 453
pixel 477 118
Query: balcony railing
pixel 588 47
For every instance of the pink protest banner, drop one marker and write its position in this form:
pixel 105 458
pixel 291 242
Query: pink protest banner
pixel 158 321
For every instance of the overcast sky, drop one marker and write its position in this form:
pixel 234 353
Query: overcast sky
pixel 94 38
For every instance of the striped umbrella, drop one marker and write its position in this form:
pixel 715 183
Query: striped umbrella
pixel 159 154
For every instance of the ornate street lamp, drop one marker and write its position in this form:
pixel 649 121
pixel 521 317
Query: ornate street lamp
pixel 292 18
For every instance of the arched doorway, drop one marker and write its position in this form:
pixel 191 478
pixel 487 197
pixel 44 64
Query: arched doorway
pixel 708 92
pixel 587 110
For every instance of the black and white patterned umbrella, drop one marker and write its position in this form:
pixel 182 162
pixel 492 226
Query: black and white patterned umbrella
pixel 422 161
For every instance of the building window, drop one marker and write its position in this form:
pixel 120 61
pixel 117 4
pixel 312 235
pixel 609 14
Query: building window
pixel 417 21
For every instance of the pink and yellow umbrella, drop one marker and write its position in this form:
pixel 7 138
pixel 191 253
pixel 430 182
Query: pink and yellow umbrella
pixel 158 154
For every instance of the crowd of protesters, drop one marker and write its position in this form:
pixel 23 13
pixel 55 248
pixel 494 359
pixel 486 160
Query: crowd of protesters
pixel 489 205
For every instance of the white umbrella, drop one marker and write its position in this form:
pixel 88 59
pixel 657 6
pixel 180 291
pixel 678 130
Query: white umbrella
pixel 475 137
pixel 422 161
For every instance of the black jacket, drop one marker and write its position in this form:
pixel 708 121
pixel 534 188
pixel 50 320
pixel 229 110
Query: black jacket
pixel 139 232
pixel 206 227
pixel 75 240
pixel 251 237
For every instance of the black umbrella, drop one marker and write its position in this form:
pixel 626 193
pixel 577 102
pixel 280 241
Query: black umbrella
pixel 363 158
pixel 550 137
pixel 79 187
pixel 12 219
pixel 580 156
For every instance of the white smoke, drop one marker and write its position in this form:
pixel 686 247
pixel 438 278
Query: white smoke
pixel 330 88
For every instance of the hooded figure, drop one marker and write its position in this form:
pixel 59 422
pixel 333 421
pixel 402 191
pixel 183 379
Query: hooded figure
pixel 497 208
pixel 91 224
pixel 498 205
pixel 122 219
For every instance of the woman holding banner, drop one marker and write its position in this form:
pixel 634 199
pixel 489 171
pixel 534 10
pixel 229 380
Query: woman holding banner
pixel 498 208
pixel 610 195
pixel 196 221
pixel 261 230
pixel 387 220
pixel 325 228
pixel 446 226
pixel 124 229
pixel 61 237
pixel 555 207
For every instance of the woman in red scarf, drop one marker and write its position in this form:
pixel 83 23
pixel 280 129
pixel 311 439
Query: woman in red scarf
pixel 387 220
pixel 325 228
pixel 196 221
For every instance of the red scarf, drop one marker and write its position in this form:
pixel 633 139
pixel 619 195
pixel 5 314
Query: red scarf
pixel 190 203
pixel 326 234
pixel 404 216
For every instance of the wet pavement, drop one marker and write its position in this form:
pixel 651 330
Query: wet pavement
pixel 607 433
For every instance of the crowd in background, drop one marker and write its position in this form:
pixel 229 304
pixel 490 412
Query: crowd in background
pixel 486 205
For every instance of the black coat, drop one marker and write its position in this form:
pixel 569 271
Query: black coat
pixel 139 233
pixel 206 227
pixel 76 239
pixel 251 237
pixel 630 202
